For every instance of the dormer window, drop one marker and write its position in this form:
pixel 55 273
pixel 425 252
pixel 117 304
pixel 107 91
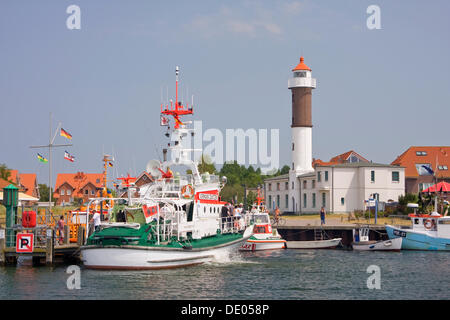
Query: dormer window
pixel 421 153
pixel 300 74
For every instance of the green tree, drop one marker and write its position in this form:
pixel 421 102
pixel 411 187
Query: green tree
pixel 5 172
pixel 403 201
pixel 285 169
pixel 206 165
pixel 44 192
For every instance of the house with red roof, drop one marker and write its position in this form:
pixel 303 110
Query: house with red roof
pixel 416 158
pixel 76 185
pixel 346 157
pixel 343 184
pixel 26 182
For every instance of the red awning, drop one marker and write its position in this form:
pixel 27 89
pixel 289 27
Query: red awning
pixel 441 186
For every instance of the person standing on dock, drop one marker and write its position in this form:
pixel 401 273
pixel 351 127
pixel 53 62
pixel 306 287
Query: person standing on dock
pixel 322 216
pixel 61 229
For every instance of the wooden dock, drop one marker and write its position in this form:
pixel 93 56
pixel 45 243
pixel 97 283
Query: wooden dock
pixel 48 251
pixel 309 233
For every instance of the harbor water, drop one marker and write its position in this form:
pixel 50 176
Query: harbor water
pixel 277 275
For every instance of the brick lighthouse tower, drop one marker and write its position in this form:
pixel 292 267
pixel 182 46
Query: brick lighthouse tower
pixel 301 86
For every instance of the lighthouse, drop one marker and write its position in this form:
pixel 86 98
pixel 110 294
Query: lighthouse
pixel 301 85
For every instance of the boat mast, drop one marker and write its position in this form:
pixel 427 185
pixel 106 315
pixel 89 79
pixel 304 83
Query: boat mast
pixel 177 110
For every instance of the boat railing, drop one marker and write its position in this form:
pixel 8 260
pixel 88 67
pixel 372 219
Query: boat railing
pixel 41 234
pixel 232 225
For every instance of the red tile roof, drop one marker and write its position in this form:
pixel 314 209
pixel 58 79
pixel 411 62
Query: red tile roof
pixel 13 175
pixel 342 158
pixel 77 181
pixel 28 181
pixel 3 183
pixel 433 155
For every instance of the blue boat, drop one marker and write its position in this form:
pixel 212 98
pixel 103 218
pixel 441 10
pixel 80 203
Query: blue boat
pixel 427 232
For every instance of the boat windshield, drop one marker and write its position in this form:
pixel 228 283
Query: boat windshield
pixel 260 218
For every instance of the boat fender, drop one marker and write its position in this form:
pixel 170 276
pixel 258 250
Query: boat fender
pixel 428 223
pixel 187 247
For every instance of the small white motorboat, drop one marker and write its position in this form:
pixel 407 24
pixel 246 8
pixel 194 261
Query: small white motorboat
pixel 387 245
pixel 264 237
pixel 361 242
pixel 313 244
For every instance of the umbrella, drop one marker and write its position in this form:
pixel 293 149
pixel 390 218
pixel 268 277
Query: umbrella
pixel 441 187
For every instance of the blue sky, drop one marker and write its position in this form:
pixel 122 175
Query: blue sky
pixel 378 92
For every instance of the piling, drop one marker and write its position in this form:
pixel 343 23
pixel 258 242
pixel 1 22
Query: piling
pixel 50 249
pixel 66 234
pixel 80 235
pixel 2 247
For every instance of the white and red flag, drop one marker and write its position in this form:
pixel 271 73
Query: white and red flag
pixel 69 157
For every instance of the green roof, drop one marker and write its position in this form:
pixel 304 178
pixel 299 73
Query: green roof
pixel 11 186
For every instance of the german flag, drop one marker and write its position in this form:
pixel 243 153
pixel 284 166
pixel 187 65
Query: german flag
pixel 110 164
pixel 65 134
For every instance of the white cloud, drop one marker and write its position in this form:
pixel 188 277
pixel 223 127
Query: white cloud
pixel 259 22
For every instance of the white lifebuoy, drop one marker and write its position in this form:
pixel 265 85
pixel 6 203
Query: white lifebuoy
pixel 187 191
pixel 428 223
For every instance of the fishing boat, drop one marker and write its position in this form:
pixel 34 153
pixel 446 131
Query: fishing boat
pixel 361 242
pixel 427 232
pixel 175 221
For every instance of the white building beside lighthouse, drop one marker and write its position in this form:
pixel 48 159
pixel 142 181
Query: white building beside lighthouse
pixel 341 185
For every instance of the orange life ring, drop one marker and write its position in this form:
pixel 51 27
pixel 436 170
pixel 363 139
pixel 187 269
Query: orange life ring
pixel 187 191
pixel 428 224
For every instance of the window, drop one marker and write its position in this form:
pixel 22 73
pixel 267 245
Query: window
pixel 301 74
pixel 318 176
pixel 313 184
pixel 86 191
pixel 305 184
pixel 313 200
pixel 326 175
pixel 93 192
pixel 421 153
pixel 97 181
pixel 423 186
pixel 292 146
pixel 69 192
pixel 324 199
pixel 424 169
pixel 286 186
pixel 278 186
pixel 278 200
pixel 442 167
pixel 270 187
pixel 342 201
pixel 62 192
pixel 304 200
pixel 372 176
pixel 287 201
pixel 292 166
pixel 292 185
pixel 395 176
pixel 270 202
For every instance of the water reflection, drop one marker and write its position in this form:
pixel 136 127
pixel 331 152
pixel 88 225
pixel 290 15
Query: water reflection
pixel 277 274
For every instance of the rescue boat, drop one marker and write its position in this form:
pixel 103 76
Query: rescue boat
pixel 264 236
pixel 174 222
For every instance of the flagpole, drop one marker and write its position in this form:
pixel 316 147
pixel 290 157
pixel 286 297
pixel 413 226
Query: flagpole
pixel 50 146
pixel 50 167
